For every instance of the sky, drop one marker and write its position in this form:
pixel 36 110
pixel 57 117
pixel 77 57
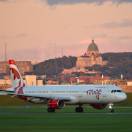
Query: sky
pixel 41 29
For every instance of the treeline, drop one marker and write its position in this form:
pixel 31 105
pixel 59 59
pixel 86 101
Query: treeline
pixel 118 63
pixel 54 66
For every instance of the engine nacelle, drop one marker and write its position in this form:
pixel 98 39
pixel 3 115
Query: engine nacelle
pixel 56 104
pixel 36 100
pixel 98 106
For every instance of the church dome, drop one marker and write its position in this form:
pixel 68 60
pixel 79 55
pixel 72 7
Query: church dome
pixel 93 47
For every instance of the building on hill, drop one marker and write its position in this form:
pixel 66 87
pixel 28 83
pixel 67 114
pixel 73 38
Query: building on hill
pixel 82 76
pixel 81 73
pixel 91 57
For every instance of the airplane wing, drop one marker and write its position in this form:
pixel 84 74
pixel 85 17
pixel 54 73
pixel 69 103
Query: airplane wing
pixel 6 92
pixel 56 97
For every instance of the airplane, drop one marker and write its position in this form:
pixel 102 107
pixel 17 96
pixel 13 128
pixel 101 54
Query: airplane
pixel 57 96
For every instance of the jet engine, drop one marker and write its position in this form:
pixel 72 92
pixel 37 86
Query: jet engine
pixel 56 104
pixel 36 100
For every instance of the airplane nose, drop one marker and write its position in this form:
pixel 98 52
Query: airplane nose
pixel 122 97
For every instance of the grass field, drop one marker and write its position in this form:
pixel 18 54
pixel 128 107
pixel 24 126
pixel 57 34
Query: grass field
pixel 36 119
pixel 19 116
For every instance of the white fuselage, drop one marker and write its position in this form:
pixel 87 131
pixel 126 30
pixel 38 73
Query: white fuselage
pixel 77 94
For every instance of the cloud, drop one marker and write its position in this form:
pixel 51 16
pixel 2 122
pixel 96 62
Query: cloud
pixel 4 0
pixel 119 24
pixel 56 2
pixel 7 0
pixel 99 2
pixel 125 37
pixel 19 35
pixel 100 35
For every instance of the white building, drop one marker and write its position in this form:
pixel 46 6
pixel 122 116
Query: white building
pixel 31 80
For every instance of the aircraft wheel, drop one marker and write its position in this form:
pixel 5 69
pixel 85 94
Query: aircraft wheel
pixel 112 110
pixel 110 107
pixel 50 109
pixel 79 109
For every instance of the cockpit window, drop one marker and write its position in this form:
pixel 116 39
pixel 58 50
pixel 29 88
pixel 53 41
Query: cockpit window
pixel 119 91
pixel 114 91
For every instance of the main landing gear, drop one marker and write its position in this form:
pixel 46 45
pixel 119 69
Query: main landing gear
pixel 110 107
pixel 79 109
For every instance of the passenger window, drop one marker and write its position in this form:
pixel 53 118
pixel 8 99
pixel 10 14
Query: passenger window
pixel 112 91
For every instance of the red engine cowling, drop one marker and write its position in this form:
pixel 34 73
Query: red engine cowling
pixel 98 106
pixel 55 104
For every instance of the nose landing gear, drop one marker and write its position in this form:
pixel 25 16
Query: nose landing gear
pixel 110 107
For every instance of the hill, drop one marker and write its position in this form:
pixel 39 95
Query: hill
pixel 118 63
pixel 54 66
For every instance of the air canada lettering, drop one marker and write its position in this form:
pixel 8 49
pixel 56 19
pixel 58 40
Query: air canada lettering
pixel 96 92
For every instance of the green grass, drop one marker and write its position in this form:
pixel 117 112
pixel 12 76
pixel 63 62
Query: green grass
pixel 36 119
pixel 19 116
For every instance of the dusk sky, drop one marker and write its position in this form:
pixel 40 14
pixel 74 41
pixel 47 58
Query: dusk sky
pixel 42 29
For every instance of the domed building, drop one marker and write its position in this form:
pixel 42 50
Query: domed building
pixel 91 57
